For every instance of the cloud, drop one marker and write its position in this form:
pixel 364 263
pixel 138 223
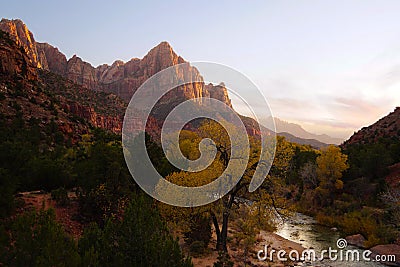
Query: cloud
pixel 336 103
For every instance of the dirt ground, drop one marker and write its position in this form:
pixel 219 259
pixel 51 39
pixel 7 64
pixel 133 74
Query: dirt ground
pixel 64 215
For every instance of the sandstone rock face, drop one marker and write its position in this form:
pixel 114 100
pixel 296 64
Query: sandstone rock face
pixel 81 72
pixel 111 123
pixel 13 61
pixel 20 33
pixel 356 240
pixel 218 92
pixel 122 79
pixel 51 58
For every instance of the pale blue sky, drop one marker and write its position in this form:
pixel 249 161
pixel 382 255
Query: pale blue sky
pixel 334 66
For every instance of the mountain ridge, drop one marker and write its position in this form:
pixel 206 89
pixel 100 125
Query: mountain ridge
pixel 297 130
pixel 32 96
pixel 386 127
pixel 123 78
pixel 120 78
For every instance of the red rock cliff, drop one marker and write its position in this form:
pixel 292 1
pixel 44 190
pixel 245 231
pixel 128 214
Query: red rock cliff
pixel 20 33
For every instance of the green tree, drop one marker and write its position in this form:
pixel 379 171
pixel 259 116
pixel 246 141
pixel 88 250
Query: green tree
pixel 140 238
pixel 102 176
pixel 36 239
pixel 199 232
pixel 7 189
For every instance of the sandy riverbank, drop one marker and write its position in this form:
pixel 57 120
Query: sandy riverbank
pixel 272 240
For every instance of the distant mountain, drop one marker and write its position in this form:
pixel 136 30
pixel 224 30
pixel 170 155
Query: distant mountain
pixel 386 127
pixel 298 131
pixel 312 142
pixel 253 129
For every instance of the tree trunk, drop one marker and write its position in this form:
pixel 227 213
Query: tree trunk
pixel 222 234
pixel 219 246
pixel 224 231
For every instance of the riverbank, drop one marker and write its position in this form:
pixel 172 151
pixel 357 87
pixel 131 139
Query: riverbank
pixel 237 254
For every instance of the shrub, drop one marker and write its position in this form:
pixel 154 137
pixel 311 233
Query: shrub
pixel 197 248
pixel 327 220
pixel 139 239
pixel 223 260
pixel 372 241
pixel 60 195
pixel 36 239
pixel 199 230
pixel 7 190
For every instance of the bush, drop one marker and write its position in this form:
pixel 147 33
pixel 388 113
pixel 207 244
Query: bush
pixel 36 239
pixel 199 230
pixel 197 248
pixel 60 195
pixel 46 173
pixel 372 241
pixel 333 221
pixel 139 239
pixel 223 260
pixel 7 190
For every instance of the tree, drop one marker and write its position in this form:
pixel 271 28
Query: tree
pixel 199 232
pixel 330 167
pixel 7 189
pixel 36 239
pixel 308 173
pixel 247 229
pixel 391 198
pixel 103 178
pixel 140 238
pixel 221 210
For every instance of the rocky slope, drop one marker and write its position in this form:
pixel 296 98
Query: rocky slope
pixel 32 94
pixel 120 78
pixel 20 34
pixel 388 126
pixel 13 60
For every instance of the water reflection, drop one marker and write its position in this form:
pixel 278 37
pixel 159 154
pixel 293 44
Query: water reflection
pixel 305 230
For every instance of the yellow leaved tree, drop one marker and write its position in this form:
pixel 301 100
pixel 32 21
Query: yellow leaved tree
pixel 330 167
pixel 262 203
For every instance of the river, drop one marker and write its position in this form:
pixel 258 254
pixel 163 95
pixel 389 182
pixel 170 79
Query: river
pixel 304 230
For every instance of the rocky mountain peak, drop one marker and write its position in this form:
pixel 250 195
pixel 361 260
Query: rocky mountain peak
pixel 20 33
pixel 117 63
pixel 122 79
pixel 51 58
pixel 160 57
pixel 14 61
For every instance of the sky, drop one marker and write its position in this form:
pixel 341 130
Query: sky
pixel 332 66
